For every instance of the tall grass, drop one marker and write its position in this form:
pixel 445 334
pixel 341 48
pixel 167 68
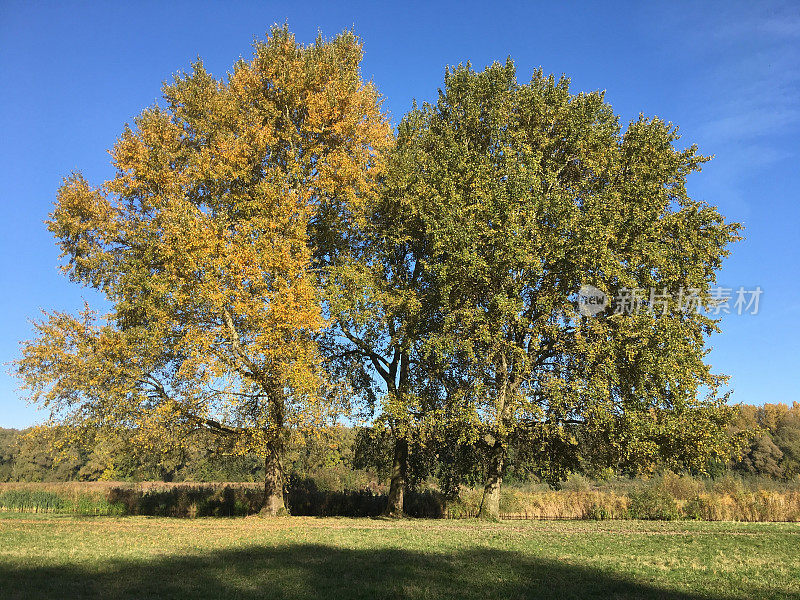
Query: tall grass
pixel 667 497
pixel 63 502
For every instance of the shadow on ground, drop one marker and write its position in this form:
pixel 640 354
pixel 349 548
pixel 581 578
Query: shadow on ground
pixel 318 571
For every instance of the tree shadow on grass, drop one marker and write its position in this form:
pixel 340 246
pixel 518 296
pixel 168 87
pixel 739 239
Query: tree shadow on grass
pixel 318 571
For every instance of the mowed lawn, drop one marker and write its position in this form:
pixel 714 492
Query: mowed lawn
pixel 140 557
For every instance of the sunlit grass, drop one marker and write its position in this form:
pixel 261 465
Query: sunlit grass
pixel 139 557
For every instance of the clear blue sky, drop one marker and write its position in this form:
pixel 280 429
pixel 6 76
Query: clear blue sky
pixel 72 74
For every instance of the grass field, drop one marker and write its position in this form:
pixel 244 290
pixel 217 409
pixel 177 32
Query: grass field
pixel 140 557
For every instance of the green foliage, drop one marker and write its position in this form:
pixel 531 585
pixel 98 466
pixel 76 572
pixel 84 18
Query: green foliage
pixel 697 508
pixel 525 192
pixel 774 444
pixel 598 512
pixel 34 455
pixel 336 458
pixel 373 450
pixel 653 503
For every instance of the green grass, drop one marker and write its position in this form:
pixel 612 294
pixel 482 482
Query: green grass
pixel 65 557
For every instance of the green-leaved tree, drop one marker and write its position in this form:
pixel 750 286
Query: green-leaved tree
pixel 529 191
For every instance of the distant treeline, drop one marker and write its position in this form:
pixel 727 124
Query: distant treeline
pixel 774 448
pixel 39 455
pixel 351 458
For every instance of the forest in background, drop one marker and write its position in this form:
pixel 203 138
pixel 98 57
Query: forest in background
pixel 359 458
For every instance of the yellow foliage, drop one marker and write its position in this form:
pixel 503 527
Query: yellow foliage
pixel 201 244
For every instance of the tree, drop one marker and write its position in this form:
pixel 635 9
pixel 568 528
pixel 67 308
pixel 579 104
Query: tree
pixel 763 457
pixel 529 192
pixel 201 245
pixel 376 295
pixel 8 452
pixel 787 438
pixel 773 432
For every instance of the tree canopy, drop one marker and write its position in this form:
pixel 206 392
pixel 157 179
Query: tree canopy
pixel 271 253
pixel 201 245
pixel 529 191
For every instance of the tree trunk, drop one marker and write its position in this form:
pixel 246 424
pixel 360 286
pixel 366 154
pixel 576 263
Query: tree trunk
pixel 273 485
pixel 397 485
pixel 273 477
pixel 490 503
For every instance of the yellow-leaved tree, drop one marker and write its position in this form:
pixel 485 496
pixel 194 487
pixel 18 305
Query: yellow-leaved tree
pixel 202 245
